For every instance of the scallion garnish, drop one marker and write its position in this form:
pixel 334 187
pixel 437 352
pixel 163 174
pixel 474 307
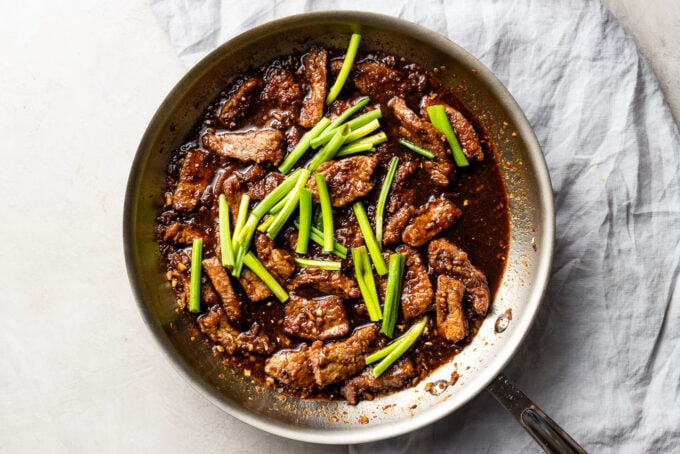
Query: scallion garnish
pixel 369 238
pixel 353 124
pixel 440 121
pixel 397 348
pixel 395 279
pixel 340 119
pixel 305 223
pixel 413 147
pixel 346 67
pixel 316 235
pixel 251 261
pixel 363 131
pixel 240 218
pixel 382 199
pixel 354 148
pixel 326 212
pixel 283 215
pixel 329 150
pixel 364 275
pixel 329 265
pixel 226 249
pixel 303 145
pixel 195 279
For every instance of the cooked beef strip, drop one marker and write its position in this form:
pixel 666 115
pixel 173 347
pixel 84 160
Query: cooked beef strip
pixel 451 321
pixel 215 325
pixel 291 367
pixel 395 225
pixel 222 283
pixel 444 257
pixel 316 319
pixel 425 135
pixel 365 385
pixel 315 73
pixel 347 231
pixel 255 289
pixel 336 361
pixel 416 293
pixel 255 145
pixel 278 262
pixel 430 220
pixel 180 233
pixel 194 176
pixel 328 282
pixel 347 179
pixel 465 132
pixel 402 191
pixel 323 364
pixel 240 101
pixel 283 93
pixel 258 190
pixel 381 82
pixel 237 183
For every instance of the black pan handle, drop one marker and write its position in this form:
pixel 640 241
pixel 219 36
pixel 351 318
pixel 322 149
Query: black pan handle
pixel 550 436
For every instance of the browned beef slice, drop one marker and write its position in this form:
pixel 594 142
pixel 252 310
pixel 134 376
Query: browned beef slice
pixel 445 257
pixel 283 94
pixel 402 192
pixel 451 321
pixel 347 179
pixel 327 282
pixel 316 319
pixel 365 385
pixel 380 82
pixel 259 189
pixel 254 145
pixel 215 325
pixel 222 283
pixel 416 293
pixel 395 225
pixel 181 233
pixel 431 219
pixel 240 101
pixel 315 73
pixel 425 135
pixel 336 361
pixel 277 261
pixel 347 230
pixel 255 289
pixel 465 132
pixel 194 176
pixel 291 367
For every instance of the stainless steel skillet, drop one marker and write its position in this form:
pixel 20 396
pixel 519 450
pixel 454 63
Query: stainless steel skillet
pixel 523 283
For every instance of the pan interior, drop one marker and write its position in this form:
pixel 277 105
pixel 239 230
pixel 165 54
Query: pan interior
pixel 523 283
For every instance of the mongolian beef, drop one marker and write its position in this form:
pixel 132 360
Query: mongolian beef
pixel 336 224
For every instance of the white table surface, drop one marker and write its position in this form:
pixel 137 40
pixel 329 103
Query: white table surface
pixel 79 371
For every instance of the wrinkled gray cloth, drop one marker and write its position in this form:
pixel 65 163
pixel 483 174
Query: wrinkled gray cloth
pixel 603 358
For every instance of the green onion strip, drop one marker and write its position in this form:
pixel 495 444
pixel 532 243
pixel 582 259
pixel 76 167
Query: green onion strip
pixel 395 278
pixel 364 275
pixel 440 121
pixel 413 147
pixel 251 261
pixel 226 249
pixel 346 67
pixel 382 199
pixel 326 212
pixel 369 238
pixel 330 265
pixel 195 279
pixel 305 222
pixel 397 348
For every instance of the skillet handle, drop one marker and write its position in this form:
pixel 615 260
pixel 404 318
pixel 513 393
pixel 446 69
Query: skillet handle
pixel 550 436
